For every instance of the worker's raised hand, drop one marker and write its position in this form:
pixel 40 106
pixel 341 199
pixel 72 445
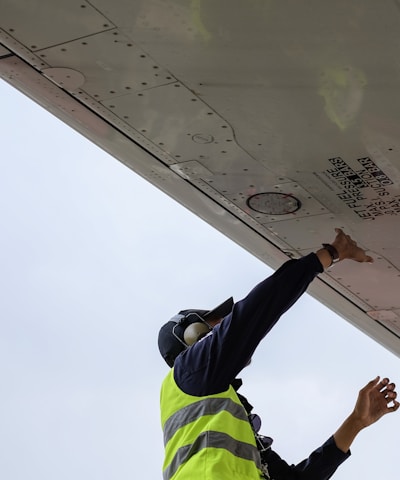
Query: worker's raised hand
pixel 348 248
pixel 376 399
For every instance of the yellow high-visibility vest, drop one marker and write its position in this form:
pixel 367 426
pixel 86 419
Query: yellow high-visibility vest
pixel 206 438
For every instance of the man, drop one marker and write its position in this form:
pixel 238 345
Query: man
pixel 209 430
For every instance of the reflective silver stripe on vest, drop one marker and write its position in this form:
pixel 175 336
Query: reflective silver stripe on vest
pixel 213 440
pixel 207 406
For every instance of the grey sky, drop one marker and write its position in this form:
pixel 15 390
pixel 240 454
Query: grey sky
pixel 93 260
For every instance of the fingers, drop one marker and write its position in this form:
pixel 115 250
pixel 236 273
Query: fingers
pixel 340 232
pixel 348 248
pixel 383 383
pixel 394 407
pixel 387 390
pixel 341 236
pixel 374 382
pixel 384 386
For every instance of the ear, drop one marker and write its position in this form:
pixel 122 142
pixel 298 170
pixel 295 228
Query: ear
pixel 194 331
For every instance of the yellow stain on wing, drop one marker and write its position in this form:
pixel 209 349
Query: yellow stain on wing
pixel 342 89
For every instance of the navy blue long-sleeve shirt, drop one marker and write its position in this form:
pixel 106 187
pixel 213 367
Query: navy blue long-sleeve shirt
pixel 212 364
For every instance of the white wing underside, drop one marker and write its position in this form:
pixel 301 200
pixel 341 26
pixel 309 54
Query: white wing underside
pixel 273 121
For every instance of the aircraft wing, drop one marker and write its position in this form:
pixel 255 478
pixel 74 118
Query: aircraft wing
pixel 273 121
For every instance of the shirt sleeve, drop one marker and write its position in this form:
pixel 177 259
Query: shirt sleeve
pixel 320 465
pixel 210 365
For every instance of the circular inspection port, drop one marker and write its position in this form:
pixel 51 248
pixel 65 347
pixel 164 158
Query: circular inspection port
pixel 273 203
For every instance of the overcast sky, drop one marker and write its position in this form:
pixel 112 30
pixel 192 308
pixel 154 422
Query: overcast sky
pixel 93 260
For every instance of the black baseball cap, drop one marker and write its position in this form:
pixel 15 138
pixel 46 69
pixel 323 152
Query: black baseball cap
pixel 170 346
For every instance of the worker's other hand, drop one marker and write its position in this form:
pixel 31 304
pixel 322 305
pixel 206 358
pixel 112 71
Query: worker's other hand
pixel 374 401
pixel 348 248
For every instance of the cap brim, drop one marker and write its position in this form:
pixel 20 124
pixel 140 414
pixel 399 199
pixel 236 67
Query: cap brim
pixel 221 311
